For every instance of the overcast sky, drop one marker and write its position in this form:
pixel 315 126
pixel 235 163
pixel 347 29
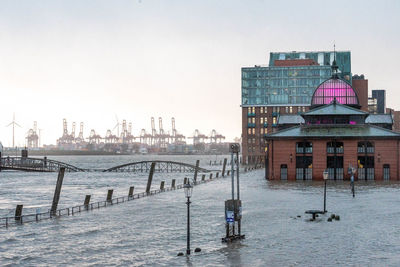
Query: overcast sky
pixel 91 61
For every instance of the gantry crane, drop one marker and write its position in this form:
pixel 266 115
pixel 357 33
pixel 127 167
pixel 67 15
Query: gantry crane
pixel 32 138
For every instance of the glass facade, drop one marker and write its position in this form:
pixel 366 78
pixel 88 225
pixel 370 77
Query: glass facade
pixel 281 85
pixel 323 58
pixel 334 88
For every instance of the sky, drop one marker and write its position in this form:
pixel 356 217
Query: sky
pixel 96 61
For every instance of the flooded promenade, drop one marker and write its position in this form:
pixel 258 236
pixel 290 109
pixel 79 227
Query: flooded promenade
pixel 151 231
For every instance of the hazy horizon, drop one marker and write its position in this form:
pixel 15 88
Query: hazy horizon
pixel 90 61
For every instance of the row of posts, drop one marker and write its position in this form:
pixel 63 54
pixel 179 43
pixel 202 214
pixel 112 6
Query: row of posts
pixel 60 178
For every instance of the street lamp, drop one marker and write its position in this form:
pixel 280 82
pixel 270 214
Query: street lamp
pixel 188 188
pixel 325 175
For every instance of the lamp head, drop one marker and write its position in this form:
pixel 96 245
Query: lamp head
pixel 325 175
pixel 188 188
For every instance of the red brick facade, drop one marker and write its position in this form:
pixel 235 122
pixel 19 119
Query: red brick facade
pixel 253 145
pixel 361 88
pixel 283 152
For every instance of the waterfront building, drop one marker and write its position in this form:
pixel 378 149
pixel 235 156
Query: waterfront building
pixel 380 96
pixel 285 87
pixel 335 134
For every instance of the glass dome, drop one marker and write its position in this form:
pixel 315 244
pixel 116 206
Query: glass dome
pixel 333 88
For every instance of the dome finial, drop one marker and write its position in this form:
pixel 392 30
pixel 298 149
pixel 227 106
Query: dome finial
pixel 334 65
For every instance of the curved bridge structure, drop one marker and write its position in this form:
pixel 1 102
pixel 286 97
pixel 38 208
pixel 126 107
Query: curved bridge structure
pixel 35 165
pixel 161 166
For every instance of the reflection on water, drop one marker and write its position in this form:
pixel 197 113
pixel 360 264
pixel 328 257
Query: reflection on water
pixel 151 231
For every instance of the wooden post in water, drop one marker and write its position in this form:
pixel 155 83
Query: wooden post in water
pixel 18 213
pixel 130 194
pixel 223 167
pixel 196 170
pixel 153 165
pixel 228 172
pixel 185 180
pixel 109 195
pixel 173 183
pixel 203 177
pixel 162 185
pixel 87 201
pixel 210 176
pixel 217 175
pixel 57 192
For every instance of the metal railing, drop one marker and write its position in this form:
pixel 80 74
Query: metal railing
pixel 13 220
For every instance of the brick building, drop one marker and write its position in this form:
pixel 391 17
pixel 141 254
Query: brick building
pixel 283 89
pixel 335 134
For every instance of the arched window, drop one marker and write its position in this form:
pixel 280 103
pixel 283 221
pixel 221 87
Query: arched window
pixel 332 89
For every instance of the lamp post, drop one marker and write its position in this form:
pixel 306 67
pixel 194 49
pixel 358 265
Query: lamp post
pixel 188 188
pixel 325 175
pixel 353 171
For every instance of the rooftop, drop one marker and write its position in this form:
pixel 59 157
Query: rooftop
pixel 337 131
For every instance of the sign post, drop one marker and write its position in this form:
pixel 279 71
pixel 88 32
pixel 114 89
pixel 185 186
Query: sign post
pixel 233 207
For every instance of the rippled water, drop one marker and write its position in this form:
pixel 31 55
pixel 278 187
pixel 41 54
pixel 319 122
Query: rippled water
pixel 152 230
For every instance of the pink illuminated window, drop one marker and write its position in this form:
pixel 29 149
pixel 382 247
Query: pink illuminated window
pixel 334 88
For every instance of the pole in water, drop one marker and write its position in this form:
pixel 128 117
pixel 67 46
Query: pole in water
pixel 352 184
pixel 109 195
pixel 196 170
pixel 87 201
pixel 57 191
pixel 153 165
pixel 131 189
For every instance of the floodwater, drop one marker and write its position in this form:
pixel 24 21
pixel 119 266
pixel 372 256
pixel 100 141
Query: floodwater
pixel 152 230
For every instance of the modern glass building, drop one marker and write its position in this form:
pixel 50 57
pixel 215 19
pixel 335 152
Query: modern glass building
pixel 285 86
pixel 279 86
pixel 380 96
pixel 293 84
pixel 323 58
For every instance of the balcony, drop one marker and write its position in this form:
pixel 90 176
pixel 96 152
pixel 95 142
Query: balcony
pixel 251 114
pixel 275 114
pixel 301 150
pixel 251 125
pixel 265 124
pixel 370 150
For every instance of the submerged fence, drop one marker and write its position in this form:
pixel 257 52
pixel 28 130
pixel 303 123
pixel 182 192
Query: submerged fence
pixel 17 220
pixel 36 217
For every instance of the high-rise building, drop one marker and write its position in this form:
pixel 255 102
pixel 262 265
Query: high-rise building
pixel 380 96
pixel 285 86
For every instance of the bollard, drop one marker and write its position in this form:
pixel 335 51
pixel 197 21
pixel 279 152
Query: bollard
pixel 18 213
pixel 57 191
pixel 173 183
pixel 210 176
pixel 162 185
pixel 217 175
pixel 185 180
pixel 223 167
pixel 153 165
pixel 203 177
pixel 109 195
pixel 131 189
pixel 87 201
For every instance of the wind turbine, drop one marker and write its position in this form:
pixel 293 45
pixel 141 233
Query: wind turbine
pixel 13 123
